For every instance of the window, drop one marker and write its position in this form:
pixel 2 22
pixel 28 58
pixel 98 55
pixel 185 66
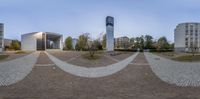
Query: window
pixel 196 34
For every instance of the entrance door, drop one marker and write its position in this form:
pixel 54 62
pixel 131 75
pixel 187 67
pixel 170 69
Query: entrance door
pixel 41 42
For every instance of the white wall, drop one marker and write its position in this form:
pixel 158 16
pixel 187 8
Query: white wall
pixel 28 41
pixel 179 36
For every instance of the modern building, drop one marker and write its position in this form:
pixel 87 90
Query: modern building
pixel 122 42
pixel 187 37
pixel 41 41
pixel 74 42
pixel 109 33
pixel 1 37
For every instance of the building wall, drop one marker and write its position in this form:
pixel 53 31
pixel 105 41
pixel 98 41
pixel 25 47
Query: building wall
pixel 186 37
pixel 122 42
pixel 29 41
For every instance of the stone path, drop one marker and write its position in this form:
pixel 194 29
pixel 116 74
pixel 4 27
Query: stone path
pixel 92 72
pixel 15 70
pixel 173 72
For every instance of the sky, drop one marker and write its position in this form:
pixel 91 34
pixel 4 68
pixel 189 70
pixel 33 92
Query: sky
pixel 74 17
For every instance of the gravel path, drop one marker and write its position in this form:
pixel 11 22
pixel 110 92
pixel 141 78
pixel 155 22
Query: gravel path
pixel 173 72
pixel 15 70
pixel 92 72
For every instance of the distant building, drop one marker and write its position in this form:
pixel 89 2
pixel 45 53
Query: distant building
pixel 1 37
pixel 187 37
pixel 7 43
pixel 122 42
pixel 109 33
pixel 74 42
pixel 41 41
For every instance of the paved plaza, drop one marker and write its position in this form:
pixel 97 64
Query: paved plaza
pixel 137 80
pixel 174 72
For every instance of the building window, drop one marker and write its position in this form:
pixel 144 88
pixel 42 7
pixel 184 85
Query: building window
pixel 196 34
pixel 191 26
pixel 196 31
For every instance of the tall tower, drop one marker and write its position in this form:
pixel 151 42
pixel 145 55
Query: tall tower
pixel 109 33
pixel 1 37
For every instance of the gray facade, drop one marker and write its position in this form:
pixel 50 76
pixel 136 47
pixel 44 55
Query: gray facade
pixel 187 37
pixel 109 33
pixel 41 41
pixel 1 37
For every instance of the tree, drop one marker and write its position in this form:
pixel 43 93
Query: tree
pixel 97 44
pixel 104 41
pixel 148 42
pixel 68 42
pixel 132 42
pixel 83 41
pixel 162 43
pixel 15 45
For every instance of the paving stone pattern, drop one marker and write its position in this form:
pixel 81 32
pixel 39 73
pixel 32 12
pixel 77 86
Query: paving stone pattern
pixel 15 70
pixel 174 72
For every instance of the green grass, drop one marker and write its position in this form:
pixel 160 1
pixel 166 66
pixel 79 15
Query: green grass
pixel 20 52
pixel 187 58
pixel 87 56
pixel 2 57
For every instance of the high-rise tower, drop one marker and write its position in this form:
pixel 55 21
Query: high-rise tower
pixel 109 33
pixel 1 37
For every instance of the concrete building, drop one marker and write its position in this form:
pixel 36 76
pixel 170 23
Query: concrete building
pixel 187 37
pixel 1 37
pixel 109 33
pixel 74 42
pixel 41 41
pixel 122 42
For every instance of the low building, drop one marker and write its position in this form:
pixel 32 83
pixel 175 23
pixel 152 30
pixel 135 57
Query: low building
pixel 122 42
pixel 7 43
pixel 187 37
pixel 41 41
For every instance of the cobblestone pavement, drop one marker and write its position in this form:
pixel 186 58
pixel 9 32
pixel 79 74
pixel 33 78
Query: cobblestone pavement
pixel 15 70
pixel 92 72
pixel 133 82
pixel 173 72
pixel 13 55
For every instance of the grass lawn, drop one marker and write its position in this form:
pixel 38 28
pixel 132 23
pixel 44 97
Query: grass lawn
pixel 2 57
pixel 165 54
pixel 187 58
pixel 87 56
pixel 20 52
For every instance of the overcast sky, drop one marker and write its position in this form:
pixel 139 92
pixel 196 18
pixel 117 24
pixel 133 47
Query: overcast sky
pixel 73 17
